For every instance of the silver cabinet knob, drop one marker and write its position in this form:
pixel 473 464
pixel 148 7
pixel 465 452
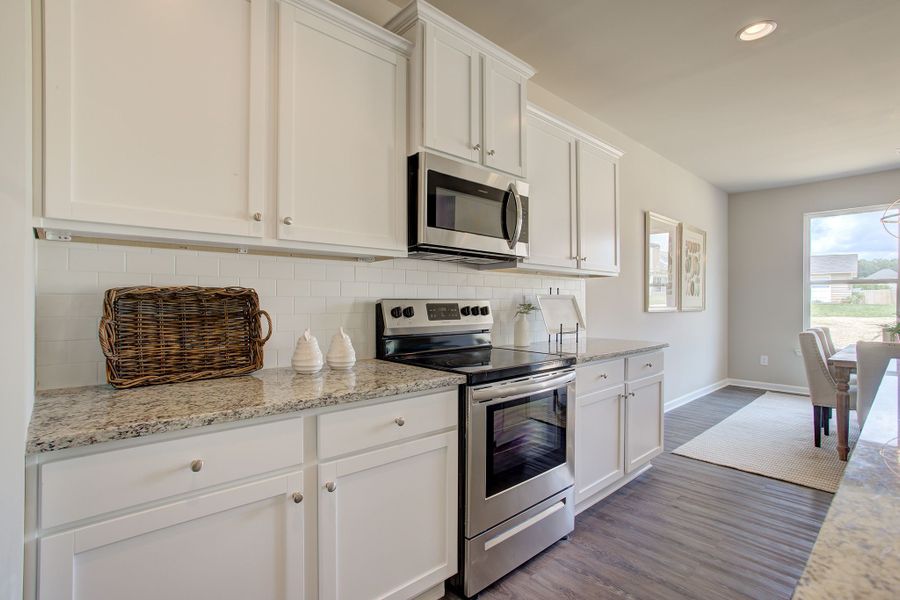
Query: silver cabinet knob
pixel 297 497
pixel 400 421
pixel 288 220
pixel 257 216
pixel 476 147
pixel 196 465
pixel 330 486
pixel 490 152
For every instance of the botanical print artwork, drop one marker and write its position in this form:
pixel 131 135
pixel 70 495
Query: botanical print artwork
pixel 693 268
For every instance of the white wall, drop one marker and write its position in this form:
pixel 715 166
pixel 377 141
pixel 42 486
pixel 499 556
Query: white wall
pixel 16 302
pixel 698 354
pixel 766 268
pixel 298 293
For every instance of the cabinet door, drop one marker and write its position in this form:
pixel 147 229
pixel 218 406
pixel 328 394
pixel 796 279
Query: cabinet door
pixel 599 437
pixel 644 417
pixel 551 195
pixel 387 528
pixel 598 210
pixel 452 95
pixel 157 117
pixel 342 127
pixel 243 542
pixel 504 118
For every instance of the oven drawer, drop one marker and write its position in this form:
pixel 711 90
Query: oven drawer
pixel 358 429
pixel 501 549
pixel 599 376
pixel 643 365
pixel 82 487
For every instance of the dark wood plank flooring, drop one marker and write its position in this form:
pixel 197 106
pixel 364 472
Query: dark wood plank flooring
pixel 685 529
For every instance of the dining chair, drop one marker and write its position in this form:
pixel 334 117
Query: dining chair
pixel 871 363
pixel 822 387
pixel 823 339
pixel 829 341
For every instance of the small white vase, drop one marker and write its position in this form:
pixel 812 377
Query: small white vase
pixel 307 357
pixel 521 332
pixel 341 354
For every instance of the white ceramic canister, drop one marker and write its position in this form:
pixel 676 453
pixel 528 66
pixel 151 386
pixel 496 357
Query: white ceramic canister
pixel 341 354
pixel 307 356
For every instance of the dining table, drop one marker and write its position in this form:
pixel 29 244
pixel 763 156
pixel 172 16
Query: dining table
pixel 843 363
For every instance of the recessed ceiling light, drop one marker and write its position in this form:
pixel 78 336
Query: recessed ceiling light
pixel 755 31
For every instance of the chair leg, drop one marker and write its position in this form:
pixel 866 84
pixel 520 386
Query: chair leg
pixel 817 425
pixel 826 419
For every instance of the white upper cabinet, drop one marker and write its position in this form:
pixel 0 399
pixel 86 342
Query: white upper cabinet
pixel 341 132
pixel 598 209
pixel 552 237
pixel 452 91
pixel 573 199
pixel 156 117
pixel 467 96
pixel 504 117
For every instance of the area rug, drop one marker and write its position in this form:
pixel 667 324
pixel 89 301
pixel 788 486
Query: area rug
pixel 773 436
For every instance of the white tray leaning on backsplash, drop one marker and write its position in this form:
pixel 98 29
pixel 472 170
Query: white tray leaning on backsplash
pixel 561 309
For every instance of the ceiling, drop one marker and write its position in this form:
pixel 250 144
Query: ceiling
pixel 820 98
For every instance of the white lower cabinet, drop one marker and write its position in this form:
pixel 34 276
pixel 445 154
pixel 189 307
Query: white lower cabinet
pixel 599 435
pixel 238 543
pixel 644 408
pixel 223 514
pixel 618 426
pixel 387 520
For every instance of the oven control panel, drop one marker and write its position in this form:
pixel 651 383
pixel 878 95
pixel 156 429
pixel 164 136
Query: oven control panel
pixel 436 315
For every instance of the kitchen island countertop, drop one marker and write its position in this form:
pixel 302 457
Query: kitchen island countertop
pixel 591 350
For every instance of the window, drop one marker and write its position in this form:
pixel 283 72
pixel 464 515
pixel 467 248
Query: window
pixel 850 274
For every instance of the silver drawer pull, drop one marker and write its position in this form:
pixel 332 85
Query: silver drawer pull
pixel 603 376
pixel 648 365
pixel 196 465
pixel 400 421
pixel 330 486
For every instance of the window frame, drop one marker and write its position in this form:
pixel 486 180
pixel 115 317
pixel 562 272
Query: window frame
pixel 807 218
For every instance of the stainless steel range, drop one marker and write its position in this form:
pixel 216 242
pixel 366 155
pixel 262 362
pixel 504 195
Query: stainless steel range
pixel 517 467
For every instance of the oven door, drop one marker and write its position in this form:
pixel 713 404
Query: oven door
pixel 519 446
pixel 471 210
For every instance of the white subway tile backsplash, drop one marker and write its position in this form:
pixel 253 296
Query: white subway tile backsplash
pixel 158 264
pixel 197 265
pixel 86 259
pixel 298 293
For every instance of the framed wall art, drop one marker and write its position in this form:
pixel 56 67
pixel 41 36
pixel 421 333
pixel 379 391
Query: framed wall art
pixel 693 268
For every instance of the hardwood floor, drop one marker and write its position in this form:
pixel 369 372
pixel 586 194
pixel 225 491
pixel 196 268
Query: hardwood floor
pixel 685 529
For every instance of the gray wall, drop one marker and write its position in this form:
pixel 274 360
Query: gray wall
pixel 16 303
pixel 766 268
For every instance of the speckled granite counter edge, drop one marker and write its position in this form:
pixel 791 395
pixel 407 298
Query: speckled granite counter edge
pixel 39 442
pixel 586 358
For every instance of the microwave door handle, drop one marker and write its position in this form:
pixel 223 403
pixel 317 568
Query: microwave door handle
pixel 517 233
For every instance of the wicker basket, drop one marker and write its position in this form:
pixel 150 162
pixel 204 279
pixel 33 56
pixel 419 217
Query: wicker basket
pixel 153 335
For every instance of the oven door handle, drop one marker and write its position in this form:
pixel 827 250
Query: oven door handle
pixel 488 395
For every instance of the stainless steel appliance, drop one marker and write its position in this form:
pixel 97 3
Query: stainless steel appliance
pixel 464 213
pixel 517 471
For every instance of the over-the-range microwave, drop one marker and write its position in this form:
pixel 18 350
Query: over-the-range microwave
pixel 465 213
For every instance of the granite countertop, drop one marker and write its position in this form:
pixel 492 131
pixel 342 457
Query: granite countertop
pixel 68 418
pixel 857 553
pixel 595 349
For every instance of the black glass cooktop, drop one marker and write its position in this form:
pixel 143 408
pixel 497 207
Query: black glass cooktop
pixel 483 365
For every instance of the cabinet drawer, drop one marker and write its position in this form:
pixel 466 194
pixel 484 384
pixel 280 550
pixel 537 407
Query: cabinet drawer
pixel 360 428
pixel 643 365
pixel 599 376
pixel 86 486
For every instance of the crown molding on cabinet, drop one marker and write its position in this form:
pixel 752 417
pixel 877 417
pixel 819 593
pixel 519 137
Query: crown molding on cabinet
pixel 417 9
pixel 349 20
pixel 540 113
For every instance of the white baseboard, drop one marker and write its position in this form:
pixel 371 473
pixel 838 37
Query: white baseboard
pixel 698 393
pixel 772 387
